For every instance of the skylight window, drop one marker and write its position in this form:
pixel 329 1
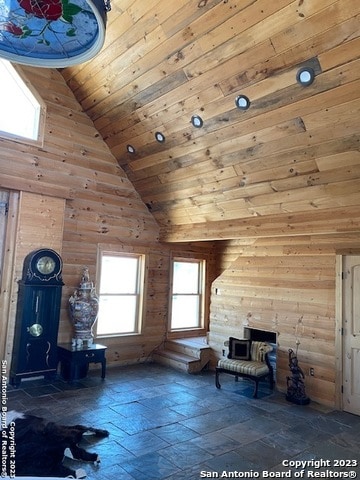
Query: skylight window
pixel 20 111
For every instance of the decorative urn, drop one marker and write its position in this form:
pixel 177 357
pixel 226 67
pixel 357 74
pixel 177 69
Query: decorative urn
pixel 84 307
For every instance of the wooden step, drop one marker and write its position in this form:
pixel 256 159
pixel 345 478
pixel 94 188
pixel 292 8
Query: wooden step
pixel 186 354
pixel 179 361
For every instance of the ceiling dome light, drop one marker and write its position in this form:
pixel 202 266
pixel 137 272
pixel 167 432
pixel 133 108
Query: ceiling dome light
pixel 242 102
pixel 53 34
pixel 305 76
pixel 197 121
pixel 160 137
pixel 130 149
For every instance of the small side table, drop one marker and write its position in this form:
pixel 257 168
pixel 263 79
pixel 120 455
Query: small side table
pixel 75 361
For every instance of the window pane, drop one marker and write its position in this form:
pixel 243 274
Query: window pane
pixel 119 274
pixel 185 311
pixel 117 314
pixel 186 277
pixel 20 111
pixel 120 294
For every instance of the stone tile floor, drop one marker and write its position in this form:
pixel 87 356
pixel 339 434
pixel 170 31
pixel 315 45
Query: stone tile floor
pixel 169 425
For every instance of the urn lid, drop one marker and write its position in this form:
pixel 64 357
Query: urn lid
pixel 85 283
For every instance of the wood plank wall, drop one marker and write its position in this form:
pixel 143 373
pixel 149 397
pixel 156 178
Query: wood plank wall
pixel 101 206
pixel 74 166
pixel 38 221
pixel 294 151
pixel 286 285
pixel 281 178
pixel 4 201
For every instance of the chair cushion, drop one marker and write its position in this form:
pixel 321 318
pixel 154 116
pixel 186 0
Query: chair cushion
pixel 239 349
pixel 244 366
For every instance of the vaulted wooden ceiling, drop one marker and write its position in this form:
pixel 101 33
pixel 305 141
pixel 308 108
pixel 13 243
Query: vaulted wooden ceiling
pixel 289 163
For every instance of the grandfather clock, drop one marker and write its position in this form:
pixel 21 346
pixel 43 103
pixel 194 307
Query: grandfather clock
pixel 37 317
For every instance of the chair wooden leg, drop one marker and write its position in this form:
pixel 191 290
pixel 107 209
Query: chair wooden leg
pixel 271 378
pixel 217 382
pixel 256 389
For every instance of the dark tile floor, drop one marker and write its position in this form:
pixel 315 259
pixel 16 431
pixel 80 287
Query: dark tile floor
pixel 169 425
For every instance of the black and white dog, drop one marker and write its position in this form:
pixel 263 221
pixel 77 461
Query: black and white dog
pixel 34 446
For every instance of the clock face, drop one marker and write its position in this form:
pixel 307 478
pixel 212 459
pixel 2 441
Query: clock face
pixel 45 265
pixel 42 266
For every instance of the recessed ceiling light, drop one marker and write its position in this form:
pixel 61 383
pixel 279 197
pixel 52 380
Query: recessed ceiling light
pixel 130 149
pixel 242 102
pixel 160 137
pixel 197 121
pixel 305 76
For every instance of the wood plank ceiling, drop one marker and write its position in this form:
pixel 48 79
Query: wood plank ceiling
pixel 293 154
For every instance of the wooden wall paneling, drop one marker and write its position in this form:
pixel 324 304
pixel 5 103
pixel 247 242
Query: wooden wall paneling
pixel 258 68
pixel 290 296
pixel 23 157
pixel 40 219
pixel 332 244
pixel 39 223
pixel 4 206
pixel 340 42
pixel 118 82
pixel 260 21
pixel 329 14
pixel 7 264
pixel 318 196
pixel 330 162
pixel 223 49
pixel 189 12
pixel 309 104
pixel 16 183
pixel 130 37
pixel 147 72
pixel 320 222
pixel 342 53
pixel 339 322
pixel 316 324
pixel 167 108
pixel 213 147
pixel 221 56
pixel 189 188
pixel 98 205
pixel 281 179
pixel 194 28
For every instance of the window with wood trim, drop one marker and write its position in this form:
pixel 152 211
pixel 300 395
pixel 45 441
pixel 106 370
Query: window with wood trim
pixel 21 112
pixel 121 292
pixel 187 294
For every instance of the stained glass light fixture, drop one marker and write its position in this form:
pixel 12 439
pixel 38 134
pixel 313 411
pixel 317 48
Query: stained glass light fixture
pixel 52 33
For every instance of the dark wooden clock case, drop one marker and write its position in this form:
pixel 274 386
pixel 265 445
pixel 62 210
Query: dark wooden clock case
pixel 37 319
